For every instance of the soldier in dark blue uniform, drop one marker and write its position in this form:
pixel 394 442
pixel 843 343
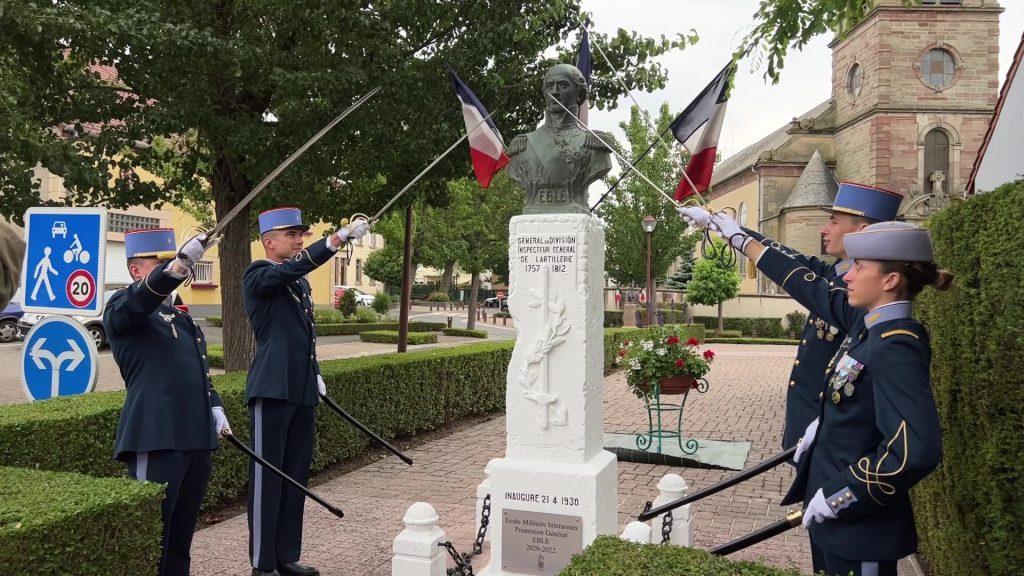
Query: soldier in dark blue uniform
pixel 877 432
pixel 283 383
pixel 855 207
pixel 172 415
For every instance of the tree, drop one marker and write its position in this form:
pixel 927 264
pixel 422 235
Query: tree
pixel 385 265
pixel 679 279
pixel 238 86
pixel 714 281
pixel 626 206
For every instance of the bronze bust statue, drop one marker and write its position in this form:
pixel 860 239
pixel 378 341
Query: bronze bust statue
pixel 557 162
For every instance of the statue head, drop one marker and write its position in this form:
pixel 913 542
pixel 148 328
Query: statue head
pixel 564 82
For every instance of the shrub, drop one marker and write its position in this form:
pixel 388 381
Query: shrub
pixel 382 303
pixel 612 318
pixel 326 316
pixel 215 355
pixel 612 556
pixel 765 327
pixel 438 297
pixel 391 337
pixel 795 321
pixel 366 316
pixel 465 332
pixel 53 521
pixel 347 303
pixel 215 321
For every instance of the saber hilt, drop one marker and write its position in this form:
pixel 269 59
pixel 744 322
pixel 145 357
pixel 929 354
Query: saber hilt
pixel 716 488
pixel 793 519
pixel 362 428
pixel 276 472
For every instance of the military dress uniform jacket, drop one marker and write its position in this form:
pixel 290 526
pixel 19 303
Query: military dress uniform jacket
pixel 818 343
pixel 277 301
pixel 161 354
pixel 879 432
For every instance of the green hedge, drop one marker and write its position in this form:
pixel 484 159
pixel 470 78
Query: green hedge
pixel 60 523
pixel 780 341
pixel 391 337
pixel 612 556
pixel 465 332
pixel 969 511
pixel 215 321
pixel 612 318
pixel 765 327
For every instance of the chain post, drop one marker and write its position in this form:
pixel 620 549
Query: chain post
pixel 666 527
pixel 462 565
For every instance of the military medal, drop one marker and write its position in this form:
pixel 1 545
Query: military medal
pixel 835 396
pixel 848 389
pixel 820 324
pixel 832 331
pixel 169 318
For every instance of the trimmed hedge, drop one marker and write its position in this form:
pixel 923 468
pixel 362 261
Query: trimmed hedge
pixel 613 318
pixel 969 511
pixel 60 523
pixel 765 327
pixel 215 321
pixel 612 556
pixel 464 332
pixel 391 337
pixel 780 341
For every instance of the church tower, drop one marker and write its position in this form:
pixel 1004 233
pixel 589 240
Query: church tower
pixel 913 90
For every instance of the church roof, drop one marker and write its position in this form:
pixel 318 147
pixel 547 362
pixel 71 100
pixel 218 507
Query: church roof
pixel 749 156
pixel 816 188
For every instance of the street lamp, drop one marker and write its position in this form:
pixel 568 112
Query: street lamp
pixel 649 222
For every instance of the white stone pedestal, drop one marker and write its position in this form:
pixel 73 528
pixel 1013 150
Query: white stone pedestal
pixel 556 489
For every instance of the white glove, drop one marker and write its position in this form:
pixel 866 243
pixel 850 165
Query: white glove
pixel 359 228
pixel 192 251
pixel 220 421
pixel 807 440
pixel 321 387
pixel 729 230
pixel 695 216
pixel 817 509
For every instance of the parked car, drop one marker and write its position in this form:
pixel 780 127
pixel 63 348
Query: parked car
pixel 495 302
pixel 362 298
pixel 9 317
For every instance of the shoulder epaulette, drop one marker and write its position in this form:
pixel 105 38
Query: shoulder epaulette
pixel 593 141
pixel 517 145
pixel 898 332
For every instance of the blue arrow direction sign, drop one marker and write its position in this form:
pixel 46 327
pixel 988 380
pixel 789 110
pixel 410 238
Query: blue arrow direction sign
pixel 64 260
pixel 59 358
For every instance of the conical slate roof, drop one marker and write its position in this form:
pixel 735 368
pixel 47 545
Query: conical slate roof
pixel 815 188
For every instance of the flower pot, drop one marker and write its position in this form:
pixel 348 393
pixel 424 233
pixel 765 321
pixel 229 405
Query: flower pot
pixel 674 384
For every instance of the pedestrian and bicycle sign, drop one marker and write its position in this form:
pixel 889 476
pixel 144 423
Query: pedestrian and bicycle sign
pixel 63 271
pixel 59 358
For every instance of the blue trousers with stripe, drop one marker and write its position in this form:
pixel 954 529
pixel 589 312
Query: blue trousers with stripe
pixel 282 433
pixel 186 474
pixel 833 565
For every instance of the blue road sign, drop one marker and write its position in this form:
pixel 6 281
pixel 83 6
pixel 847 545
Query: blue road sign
pixel 64 260
pixel 59 358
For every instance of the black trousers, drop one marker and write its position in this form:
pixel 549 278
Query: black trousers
pixel 186 474
pixel 282 433
pixel 833 565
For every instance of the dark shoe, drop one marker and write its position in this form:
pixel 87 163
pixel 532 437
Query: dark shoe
pixel 258 572
pixel 296 569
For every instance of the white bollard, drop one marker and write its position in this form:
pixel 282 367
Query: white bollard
pixel 481 492
pixel 636 531
pixel 416 549
pixel 672 487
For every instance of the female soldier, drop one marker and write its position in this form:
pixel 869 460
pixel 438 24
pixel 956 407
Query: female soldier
pixel 877 432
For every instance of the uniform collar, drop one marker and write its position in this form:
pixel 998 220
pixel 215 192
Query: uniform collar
pixel 886 312
pixel 843 266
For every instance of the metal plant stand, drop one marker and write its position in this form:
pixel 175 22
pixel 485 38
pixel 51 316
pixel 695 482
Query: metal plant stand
pixel 655 409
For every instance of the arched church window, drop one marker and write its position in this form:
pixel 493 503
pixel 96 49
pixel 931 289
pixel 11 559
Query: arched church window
pixel 936 162
pixel 855 80
pixel 938 67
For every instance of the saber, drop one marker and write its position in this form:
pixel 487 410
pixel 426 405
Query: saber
pixel 286 478
pixel 793 519
pixel 377 216
pixel 716 488
pixel 219 227
pixel 341 412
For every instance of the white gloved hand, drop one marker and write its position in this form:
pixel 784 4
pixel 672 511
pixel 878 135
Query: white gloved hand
pixel 321 386
pixel 807 440
pixel 192 251
pixel 729 230
pixel 695 216
pixel 220 421
pixel 358 228
pixel 817 509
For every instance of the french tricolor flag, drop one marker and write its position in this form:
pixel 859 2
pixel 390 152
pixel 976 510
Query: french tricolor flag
pixel 697 129
pixel 486 147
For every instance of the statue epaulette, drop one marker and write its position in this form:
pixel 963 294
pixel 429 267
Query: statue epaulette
pixel 593 141
pixel 517 145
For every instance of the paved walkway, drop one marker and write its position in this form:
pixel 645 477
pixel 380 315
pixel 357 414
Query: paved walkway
pixel 745 402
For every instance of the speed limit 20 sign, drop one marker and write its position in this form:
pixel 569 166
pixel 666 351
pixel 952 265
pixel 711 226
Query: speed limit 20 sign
pixel 81 288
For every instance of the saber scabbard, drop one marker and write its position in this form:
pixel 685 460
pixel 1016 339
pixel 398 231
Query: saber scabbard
pixel 284 477
pixel 744 475
pixel 341 412
pixel 793 519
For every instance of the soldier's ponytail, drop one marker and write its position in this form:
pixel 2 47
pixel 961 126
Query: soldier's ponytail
pixel 917 275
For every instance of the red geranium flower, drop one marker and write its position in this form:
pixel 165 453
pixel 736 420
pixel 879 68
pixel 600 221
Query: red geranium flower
pixel 693 342
pixel 680 363
pixel 709 355
pixel 673 339
pixel 622 353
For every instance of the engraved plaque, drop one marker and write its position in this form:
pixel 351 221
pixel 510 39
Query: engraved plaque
pixel 539 543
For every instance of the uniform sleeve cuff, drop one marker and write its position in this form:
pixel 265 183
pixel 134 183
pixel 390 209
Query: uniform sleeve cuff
pixel 840 500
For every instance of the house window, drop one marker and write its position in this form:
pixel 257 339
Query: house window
pixel 359 272
pixel 855 80
pixel 339 271
pixel 743 213
pixel 203 272
pixel 936 161
pixel 938 68
pixel 121 222
pixel 741 261
pixel 373 240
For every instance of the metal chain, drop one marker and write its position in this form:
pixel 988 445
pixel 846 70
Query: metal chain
pixel 485 520
pixel 462 565
pixel 666 527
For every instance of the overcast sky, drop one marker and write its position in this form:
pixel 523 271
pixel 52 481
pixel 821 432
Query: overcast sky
pixel 756 107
